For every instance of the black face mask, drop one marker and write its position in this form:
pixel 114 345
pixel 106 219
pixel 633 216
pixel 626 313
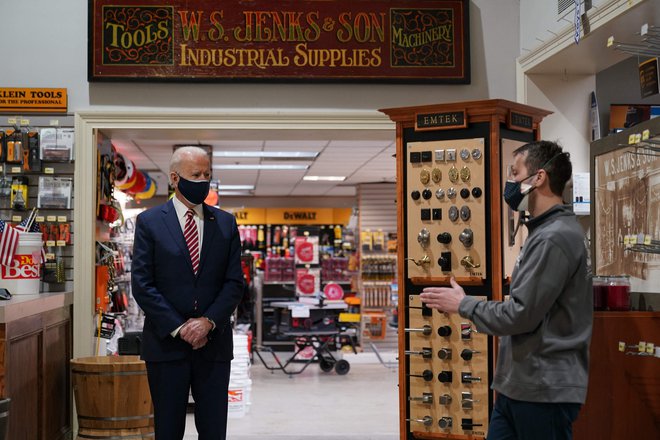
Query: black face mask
pixel 515 197
pixel 195 191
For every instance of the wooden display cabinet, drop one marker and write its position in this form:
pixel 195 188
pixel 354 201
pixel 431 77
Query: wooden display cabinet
pixel 451 169
pixel 35 349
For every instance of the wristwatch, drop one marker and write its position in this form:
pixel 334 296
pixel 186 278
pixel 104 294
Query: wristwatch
pixel 211 322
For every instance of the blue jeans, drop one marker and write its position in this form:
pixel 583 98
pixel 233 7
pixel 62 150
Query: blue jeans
pixel 519 420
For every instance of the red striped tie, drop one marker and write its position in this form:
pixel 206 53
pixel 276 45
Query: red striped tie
pixel 192 239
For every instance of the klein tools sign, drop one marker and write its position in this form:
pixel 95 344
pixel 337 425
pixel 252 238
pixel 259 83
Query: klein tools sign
pixel 25 100
pixel 304 40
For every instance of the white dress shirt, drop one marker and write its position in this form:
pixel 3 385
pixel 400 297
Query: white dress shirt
pixel 181 211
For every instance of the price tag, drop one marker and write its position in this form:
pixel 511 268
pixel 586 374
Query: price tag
pixel 610 41
pixel 646 134
pixel 50 243
pixel 49 170
pixel 54 122
pixel 631 139
pixel 51 218
pixel 638 138
pixel 15 169
pixel 641 347
pixel 11 121
pixel 25 122
pixel 650 348
pixel 39 219
pixel 50 256
pixel 622 346
pixel 61 243
pixel 16 218
pixel 647 239
pixel 61 218
pixel 300 311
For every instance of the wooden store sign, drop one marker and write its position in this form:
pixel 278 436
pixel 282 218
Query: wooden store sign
pixel 28 100
pixel 210 40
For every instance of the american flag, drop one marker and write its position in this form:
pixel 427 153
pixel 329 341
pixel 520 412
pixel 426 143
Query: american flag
pixel 8 243
pixel 34 227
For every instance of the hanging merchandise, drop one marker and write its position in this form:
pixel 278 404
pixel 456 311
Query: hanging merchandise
pixel 149 189
pixel 3 146
pixel 5 192
pixel 13 145
pixel 125 172
pixel 19 193
pixel 139 183
pixel 31 160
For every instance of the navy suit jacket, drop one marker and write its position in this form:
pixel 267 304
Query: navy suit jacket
pixel 168 291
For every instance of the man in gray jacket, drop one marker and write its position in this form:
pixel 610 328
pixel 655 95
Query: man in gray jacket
pixel 545 327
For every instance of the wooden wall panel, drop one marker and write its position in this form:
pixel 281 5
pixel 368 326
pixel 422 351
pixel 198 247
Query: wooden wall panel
pixel 56 386
pixel 24 391
pixel 34 373
pixel 623 400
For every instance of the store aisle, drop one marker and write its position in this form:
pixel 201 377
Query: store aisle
pixel 314 405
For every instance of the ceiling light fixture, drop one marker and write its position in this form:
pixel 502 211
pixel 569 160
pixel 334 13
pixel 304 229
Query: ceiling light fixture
pixel 327 178
pixel 234 193
pixel 269 154
pixel 235 187
pixel 259 167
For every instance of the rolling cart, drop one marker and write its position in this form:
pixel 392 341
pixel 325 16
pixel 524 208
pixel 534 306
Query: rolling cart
pixel 313 325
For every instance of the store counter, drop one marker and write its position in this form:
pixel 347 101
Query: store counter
pixel 35 349
pixel 21 306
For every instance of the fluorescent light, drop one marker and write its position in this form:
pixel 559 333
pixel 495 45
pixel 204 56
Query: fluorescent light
pixel 259 167
pixel 329 178
pixel 271 154
pixel 234 193
pixel 235 187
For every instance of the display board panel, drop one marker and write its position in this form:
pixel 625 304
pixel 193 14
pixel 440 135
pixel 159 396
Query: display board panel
pixel 446 209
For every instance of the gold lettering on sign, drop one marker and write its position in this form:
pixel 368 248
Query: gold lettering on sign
pixel 438 33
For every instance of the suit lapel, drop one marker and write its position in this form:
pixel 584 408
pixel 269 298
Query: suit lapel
pixel 174 228
pixel 210 228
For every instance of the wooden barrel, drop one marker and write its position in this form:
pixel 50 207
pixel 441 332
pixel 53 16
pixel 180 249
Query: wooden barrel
pixel 112 397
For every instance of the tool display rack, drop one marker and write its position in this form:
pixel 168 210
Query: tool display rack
pixel 48 168
pixel 451 222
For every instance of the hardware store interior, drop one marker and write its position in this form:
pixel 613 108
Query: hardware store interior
pixel 351 195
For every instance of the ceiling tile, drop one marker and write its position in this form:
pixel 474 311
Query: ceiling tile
pixel 341 191
pixel 273 190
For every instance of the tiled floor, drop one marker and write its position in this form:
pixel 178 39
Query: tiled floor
pixel 362 404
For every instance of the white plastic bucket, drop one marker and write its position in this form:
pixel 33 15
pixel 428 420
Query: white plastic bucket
pixel 236 399
pixel 22 277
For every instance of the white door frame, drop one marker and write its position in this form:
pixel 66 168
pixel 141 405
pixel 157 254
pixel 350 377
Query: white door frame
pixel 88 122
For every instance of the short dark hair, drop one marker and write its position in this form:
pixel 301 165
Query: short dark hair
pixel 549 156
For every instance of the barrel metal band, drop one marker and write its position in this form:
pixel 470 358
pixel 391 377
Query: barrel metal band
pixel 115 373
pixel 117 419
pixel 119 437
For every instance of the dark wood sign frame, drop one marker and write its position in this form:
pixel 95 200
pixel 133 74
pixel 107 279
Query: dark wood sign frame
pixel 425 41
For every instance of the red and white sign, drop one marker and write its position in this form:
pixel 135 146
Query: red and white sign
pixel 307 250
pixel 333 292
pixel 23 267
pixel 308 281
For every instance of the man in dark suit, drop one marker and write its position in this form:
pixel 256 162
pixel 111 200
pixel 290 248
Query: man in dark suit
pixel 187 278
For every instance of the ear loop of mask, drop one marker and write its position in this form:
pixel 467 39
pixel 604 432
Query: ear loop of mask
pixel 546 164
